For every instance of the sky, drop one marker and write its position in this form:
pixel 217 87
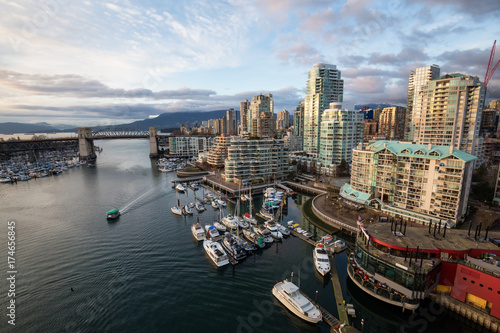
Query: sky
pixel 90 63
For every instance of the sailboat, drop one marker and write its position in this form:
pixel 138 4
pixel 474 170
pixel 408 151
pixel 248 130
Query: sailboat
pixel 186 210
pixel 176 209
pixel 248 216
pixel 241 222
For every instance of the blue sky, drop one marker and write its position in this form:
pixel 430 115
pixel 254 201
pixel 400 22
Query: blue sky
pixel 91 62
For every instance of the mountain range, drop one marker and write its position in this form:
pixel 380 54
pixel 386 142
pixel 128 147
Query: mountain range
pixel 169 120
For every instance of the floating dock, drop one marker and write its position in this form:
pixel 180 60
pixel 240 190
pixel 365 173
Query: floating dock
pixel 337 291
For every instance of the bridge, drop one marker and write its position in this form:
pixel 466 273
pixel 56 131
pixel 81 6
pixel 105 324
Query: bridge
pixel 84 140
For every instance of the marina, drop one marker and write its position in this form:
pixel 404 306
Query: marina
pixel 150 256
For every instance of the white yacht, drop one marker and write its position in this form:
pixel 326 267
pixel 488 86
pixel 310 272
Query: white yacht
pixel 283 229
pixel 275 233
pixel 249 218
pixel 215 205
pixel 241 222
pixel 253 237
pixel 230 222
pixel 265 233
pixel 221 203
pixel 220 227
pixel 180 188
pixel 321 260
pixel 215 252
pixel 212 232
pixel 290 296
pixel 198 231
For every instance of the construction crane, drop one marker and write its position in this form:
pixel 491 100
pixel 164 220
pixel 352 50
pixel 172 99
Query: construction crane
pixel 491 69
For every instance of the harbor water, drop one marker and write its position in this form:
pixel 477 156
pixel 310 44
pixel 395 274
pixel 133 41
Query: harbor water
pixel 77 272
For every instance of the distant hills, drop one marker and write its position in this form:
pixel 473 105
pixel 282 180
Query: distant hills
pixel 373 106
pixel 165 120
pixel 168 120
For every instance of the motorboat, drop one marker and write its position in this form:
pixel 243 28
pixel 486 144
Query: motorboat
pixel 215 252
pixel 180 188
pixel 295 300
pixel 212 231
pixel 230 222
pixel 113 214
pixel 275 233
pixel 221 203
pixel 243 198
pixel 283 230
pixel 321 260
pixel 249 218
pixel 269 192
pixel 253 237
pixel 220 227
pixel 241 222
pixel 233 248
pixel 198 231
pixel 5 180
pixel 267 214
pixel 191 205
pixel 265 233
pixel 249 247
pixel 339 245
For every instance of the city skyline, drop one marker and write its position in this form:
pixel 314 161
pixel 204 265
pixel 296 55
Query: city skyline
pixel 106 63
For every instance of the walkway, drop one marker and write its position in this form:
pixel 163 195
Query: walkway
pixel 324 211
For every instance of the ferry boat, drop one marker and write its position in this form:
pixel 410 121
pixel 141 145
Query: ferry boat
pixel 215 252
pixel 113 214
pixel 290 296
pixel 198 231
pixel 321 260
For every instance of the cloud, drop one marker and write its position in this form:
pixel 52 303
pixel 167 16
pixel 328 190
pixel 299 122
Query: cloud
pixel 78 86
pixel 473 8
pixel 472 61
pixel 300 53
pixel 406 55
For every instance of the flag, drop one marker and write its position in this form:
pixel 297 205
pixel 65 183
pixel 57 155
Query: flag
pixel 360 218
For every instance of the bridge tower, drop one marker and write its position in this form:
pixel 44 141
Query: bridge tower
pixel 86 144
pixel 153 142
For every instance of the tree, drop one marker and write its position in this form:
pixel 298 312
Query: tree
pixel 343 167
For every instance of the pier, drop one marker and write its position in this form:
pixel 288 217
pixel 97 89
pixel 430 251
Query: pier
pixel 337 290
pixel 305 188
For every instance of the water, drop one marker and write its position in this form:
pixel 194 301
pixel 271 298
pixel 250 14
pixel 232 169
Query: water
pixel 145 272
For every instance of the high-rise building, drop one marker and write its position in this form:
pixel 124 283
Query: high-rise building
pixel 217 154
pixel 189 146
pixel 323 87
pixel 259 104
pixel 256 160
pixel 449 113
pixel 371 128
pixel 418 78
pixel 283 120
pixel 341 131
pixel 231 122
pixel 244 116
pixel 264 125
pixel 421 183
pixel 298 120
pixel 495 104
pixel 376 114
pixel 391 123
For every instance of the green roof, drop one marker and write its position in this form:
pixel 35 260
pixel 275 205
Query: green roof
pixel 418 150
pixel 346 188
pixel 448 76
pixel 113 211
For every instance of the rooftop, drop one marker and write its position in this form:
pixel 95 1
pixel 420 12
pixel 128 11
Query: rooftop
pixel 401 148
pixel 455 239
